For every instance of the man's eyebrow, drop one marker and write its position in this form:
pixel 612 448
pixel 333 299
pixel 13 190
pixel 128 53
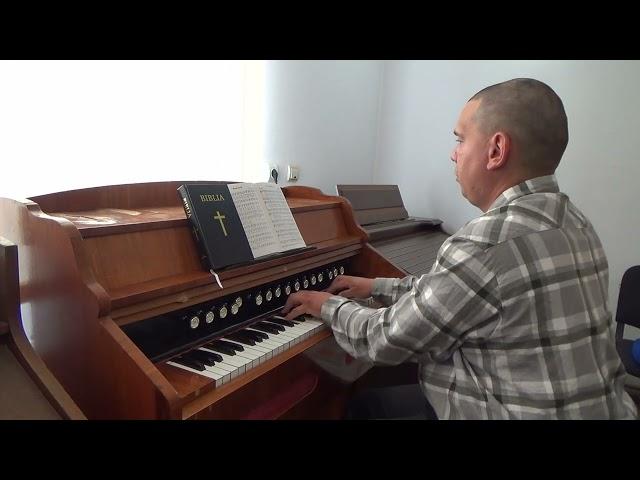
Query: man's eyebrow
pixel 457 134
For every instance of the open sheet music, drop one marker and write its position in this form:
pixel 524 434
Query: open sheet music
pixel 239 222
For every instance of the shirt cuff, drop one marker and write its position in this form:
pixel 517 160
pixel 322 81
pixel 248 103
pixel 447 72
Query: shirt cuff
pixel 330 306
pixel 382 289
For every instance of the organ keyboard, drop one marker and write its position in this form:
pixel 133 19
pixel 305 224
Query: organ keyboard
pixel 123 314
pixel 234 354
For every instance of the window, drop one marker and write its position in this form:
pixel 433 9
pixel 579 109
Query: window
pixel 77 124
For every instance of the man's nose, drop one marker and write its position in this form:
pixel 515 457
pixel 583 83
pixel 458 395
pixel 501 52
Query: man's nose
pixel 453 156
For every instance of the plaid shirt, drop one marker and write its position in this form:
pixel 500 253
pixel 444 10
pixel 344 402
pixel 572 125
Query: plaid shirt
pixel 512 322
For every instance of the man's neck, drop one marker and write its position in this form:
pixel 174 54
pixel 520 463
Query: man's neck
pixel 505 184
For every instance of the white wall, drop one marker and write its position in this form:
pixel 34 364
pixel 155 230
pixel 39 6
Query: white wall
pixel 600 170
pixel 322 117
pixel 84 123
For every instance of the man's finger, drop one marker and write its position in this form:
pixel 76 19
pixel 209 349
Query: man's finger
pixel 348 293
pixel 292 301
pixel 336 287
pixel 296 312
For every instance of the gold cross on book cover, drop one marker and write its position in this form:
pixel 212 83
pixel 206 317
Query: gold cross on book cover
pixel 239 222
pixel 221 218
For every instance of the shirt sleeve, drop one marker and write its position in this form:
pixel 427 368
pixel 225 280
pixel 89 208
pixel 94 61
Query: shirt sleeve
pixel 387 291
pixel 430 317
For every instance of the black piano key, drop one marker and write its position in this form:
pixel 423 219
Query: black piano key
pixel 221 348
pixel 195 364
pixel 244 335
pixel 300 318
pixel 208 358
pixel 240 338
pixel 280 317
pixel 282 321
pixel 235 346
pixel 259 336
pixel 277 326
pixel 195 357
pixel 265 328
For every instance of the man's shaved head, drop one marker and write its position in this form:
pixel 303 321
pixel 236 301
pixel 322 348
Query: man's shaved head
pixel 532 114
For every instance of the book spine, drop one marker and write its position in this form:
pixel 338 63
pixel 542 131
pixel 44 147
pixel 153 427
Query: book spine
pixel 195 228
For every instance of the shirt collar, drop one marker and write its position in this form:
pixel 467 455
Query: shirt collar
pixel 546 184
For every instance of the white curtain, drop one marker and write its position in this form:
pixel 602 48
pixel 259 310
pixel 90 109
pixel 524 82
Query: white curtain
pixel 77 124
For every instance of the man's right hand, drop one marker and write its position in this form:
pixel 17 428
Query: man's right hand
pixel 351 287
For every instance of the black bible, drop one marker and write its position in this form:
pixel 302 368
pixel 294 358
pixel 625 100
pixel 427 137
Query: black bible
pixel 239 222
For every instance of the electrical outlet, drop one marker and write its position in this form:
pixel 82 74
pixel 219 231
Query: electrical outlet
pixel 273 173
pixel 292 173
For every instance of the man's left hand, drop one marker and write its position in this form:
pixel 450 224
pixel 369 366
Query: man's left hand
pixel 301 303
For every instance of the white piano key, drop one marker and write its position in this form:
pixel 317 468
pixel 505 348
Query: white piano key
pixel 298 330
pixel 284 335
pixel 226 367
pixel 304 326
pixel 281 340
pixel 266 351
pixel 280 337
pixel 184 367
pixel 257 347
pixel 235 373
pixel 205 372
pixel 312 322
pixel 216 369
pixel 253 357
pixel 249 353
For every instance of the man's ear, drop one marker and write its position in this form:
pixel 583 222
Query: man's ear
pixel 499 148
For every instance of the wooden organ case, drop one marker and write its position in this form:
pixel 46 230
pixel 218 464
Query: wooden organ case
pixel 111 282
pixel 28 390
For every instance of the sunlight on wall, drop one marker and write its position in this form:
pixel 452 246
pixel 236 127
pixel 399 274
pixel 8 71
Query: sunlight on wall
pixel 77 124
